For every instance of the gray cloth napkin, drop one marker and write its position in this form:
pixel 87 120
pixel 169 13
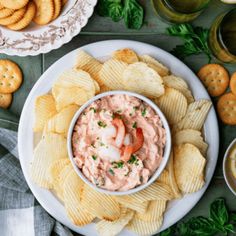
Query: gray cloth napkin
pixel 20 213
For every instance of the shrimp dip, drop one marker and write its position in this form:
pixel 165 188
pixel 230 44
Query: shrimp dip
pixel 118 142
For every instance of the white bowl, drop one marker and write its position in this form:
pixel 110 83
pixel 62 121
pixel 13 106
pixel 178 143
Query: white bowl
pixel 229 179
pixel 167 148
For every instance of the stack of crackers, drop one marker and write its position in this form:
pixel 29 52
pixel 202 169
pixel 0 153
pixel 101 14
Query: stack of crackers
pixel 10 80
pixel 18 14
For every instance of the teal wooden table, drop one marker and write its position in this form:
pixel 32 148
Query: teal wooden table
pixel 152 32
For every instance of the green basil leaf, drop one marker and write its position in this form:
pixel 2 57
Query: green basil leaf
pixel 103 7
pixel 115 11
pixel 232 217
pixel 202 226
pixel 167 232
pixel 133 14
pixel 229 228
pixel 218 212
pixel 183 229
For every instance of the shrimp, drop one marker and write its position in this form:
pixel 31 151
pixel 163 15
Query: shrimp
pixel 130 149
pixel 120 135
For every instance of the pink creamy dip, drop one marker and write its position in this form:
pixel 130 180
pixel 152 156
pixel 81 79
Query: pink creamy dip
pixel 95 150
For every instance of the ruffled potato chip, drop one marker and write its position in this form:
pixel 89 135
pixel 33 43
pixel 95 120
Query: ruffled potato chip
pixel 45 108
pixel 91 200
pixel 156 191
pixel 172 180
pixel 155 65
pixel 72 194
pixel 164 177
pixel 126 55
pixel 86 62
pixel 55 171
pixel 195 116
pixel 191 136
pixel 140 78
pixel 173 104
pixel 69 96
pixel 111 74
pixel 61 121
pixel 130 202
pixel 112 228
pixel 189 168
pixel 141 227
pixel 179 84
pixel 50 148
pixel 155 210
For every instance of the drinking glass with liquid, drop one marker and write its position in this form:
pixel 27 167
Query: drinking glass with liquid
pixel 222 37
pixel 179 11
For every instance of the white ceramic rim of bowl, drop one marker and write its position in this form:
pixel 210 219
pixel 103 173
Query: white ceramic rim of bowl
pixel 224 166
pixel 167 148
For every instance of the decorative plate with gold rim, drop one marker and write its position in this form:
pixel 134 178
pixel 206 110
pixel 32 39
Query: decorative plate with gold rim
pixel 41 39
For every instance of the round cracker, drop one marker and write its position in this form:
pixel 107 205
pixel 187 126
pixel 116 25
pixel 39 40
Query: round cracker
pixel 226 107
pixel 26 20
pixel 215 78
pixel 14 4
pixel 5 100
pixel 45 11
pixel 15 17
pixel 57 8
pixel 5 12
pixel 10 76
pixel 232 83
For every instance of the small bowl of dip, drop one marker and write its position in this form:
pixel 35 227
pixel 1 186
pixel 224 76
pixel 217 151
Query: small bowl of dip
pixel 229 166
pixel 119 142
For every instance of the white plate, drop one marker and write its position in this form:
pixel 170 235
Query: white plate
pixel 36 39
pixel 177 208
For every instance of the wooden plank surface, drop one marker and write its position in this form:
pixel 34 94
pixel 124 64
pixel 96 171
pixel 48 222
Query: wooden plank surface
pixel 152 32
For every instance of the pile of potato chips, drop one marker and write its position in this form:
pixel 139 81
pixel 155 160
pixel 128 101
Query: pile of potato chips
pixel 143 211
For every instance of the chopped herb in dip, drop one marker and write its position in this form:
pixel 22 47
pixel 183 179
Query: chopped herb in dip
pixel 93 109
pixel 94 157
pixel 133 160
pixel 119 164
pixel 111 172
pixel 134 125
pixel 102 124
pixel 118 111
pixel 144 111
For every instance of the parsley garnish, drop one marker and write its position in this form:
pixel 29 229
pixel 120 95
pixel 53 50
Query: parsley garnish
pixel 133 160
pixel 94 157
pixel 92 108
pixel 144 111
pixel 134 125
pixel 102 144
pixel 135 108
pixel 118 111
pixel 196 40
pixel 102 124
pixel 119 164
pixel 111 172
